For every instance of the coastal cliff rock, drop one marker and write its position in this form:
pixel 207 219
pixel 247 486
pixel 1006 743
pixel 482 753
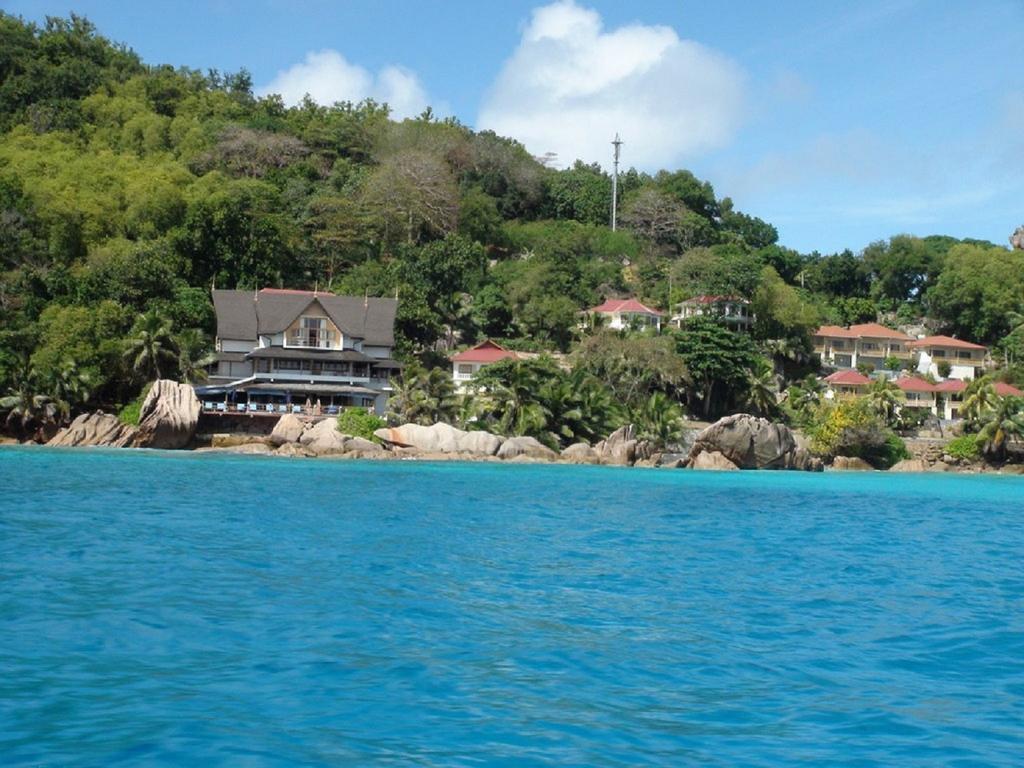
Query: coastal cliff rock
pixel 580 453
pixel 529 447
pixel 440 438
pixel 289 429
pixel 851 464
pixel 294 450
pixel 324 437
pixel 168 417
pixel 363 446
pixel 711 460
pixel 750 442
pixel 911 465
pixel 620 447
pixel 98 428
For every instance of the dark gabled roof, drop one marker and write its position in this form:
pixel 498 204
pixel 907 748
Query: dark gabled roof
pixel 243 315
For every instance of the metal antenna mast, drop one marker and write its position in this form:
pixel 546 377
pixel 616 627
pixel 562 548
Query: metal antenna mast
pixel 615 178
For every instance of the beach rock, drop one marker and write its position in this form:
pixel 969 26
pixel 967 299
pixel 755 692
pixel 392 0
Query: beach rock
pixel 294 450
pixel 672 463
pixel 324 437
pixel 97 428
pixel 440 438
pixel 289 429
pixel 851 463
pixel 362 445
pixel 228 440
pixel 910 465
pixel 750 442
pixel 580 453
pixel 480 443
pixel 711 460
pixel 249 449
pixel 619 447
pixel 169 416
pixel 940 466
pixel 529 447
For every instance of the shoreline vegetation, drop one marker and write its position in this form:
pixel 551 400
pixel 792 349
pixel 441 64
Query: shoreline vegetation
pixel 128 191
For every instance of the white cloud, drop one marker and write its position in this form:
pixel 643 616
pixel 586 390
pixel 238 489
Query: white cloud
pixel 327 77
pixel 571 85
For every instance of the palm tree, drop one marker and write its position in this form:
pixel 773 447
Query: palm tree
pixel 68 387
pixel 423 397
pixel 194 354
pixel 884 399
pixel 980 399
pixel 659 419
pixel 28 410
pixel 1003 424
pixel 762 393
pixel 151 344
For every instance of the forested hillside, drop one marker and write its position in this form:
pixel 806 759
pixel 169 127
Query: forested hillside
pixel 128 190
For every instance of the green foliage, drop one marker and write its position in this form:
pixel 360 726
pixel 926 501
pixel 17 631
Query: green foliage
pixel 965 448
pixel 779 310
pixel 853 428
pixel 360 423
pixel 131 413
pixel 944 368
pixel 718 362
pixel 422 396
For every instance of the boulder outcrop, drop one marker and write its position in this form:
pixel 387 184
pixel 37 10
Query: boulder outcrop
pixel 851 464
pixel 711 460
pixel 169 416
pixel 289 429
pixel 324 437
pixel 529 447
pixel 440 438
pixel 620 447
pixel 911 465
pixel 99 429
pixel 750 442
pixel 362 445
pixel 580 453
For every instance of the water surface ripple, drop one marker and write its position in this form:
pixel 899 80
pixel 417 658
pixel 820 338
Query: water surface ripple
pixel 210 610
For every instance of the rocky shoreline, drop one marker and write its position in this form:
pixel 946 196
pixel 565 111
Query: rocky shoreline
pixel 170 415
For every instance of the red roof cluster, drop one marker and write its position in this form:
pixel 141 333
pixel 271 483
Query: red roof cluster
pixel 849 378
pixel 625 305
pixel 945 341
pixel 1001 388
pixel 861 331
pixel 485 352
pixel 914 384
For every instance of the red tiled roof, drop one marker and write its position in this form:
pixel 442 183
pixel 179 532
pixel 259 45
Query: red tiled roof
pixel 945 341
pixel 878 331
pixel 834 331
pixel 624 305
pixel 1001 388
pixel 849 378
pixel 485 352
pixel 914 384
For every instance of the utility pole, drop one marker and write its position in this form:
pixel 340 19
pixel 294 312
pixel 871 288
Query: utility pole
pixel 615 178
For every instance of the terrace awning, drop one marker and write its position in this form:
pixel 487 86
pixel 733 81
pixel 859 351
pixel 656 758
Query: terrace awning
pixel 311 389
pixel 311 353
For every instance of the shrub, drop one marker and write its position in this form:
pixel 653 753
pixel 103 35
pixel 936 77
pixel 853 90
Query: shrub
pixel 964 448
pixel 865 369
pixel 360 423
pixel 893 363
pixel 944 367
pixel 131 413
pixel 852 429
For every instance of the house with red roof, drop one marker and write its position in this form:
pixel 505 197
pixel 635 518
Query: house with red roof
pixel 952 391
pixel 734 311
pixel 467 363
pixel 846 385
pixel 966 359
pixel 621 314
pixel 919 393
pixel 864 343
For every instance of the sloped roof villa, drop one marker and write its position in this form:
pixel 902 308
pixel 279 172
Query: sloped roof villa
pixel 278 346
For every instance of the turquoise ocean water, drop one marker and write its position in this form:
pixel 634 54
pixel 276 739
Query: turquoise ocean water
pixel 185 609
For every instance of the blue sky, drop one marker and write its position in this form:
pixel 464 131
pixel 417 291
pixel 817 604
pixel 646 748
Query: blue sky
pixel 840 123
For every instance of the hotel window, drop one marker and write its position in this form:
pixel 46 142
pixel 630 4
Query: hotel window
pixel 465 369
pixel 938 353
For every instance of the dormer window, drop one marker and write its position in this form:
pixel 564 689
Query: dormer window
pixel 312 332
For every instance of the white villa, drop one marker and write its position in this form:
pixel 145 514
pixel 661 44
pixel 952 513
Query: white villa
pixel 626 314
pixel 733 310
pixel 966 360
pixel 466 364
